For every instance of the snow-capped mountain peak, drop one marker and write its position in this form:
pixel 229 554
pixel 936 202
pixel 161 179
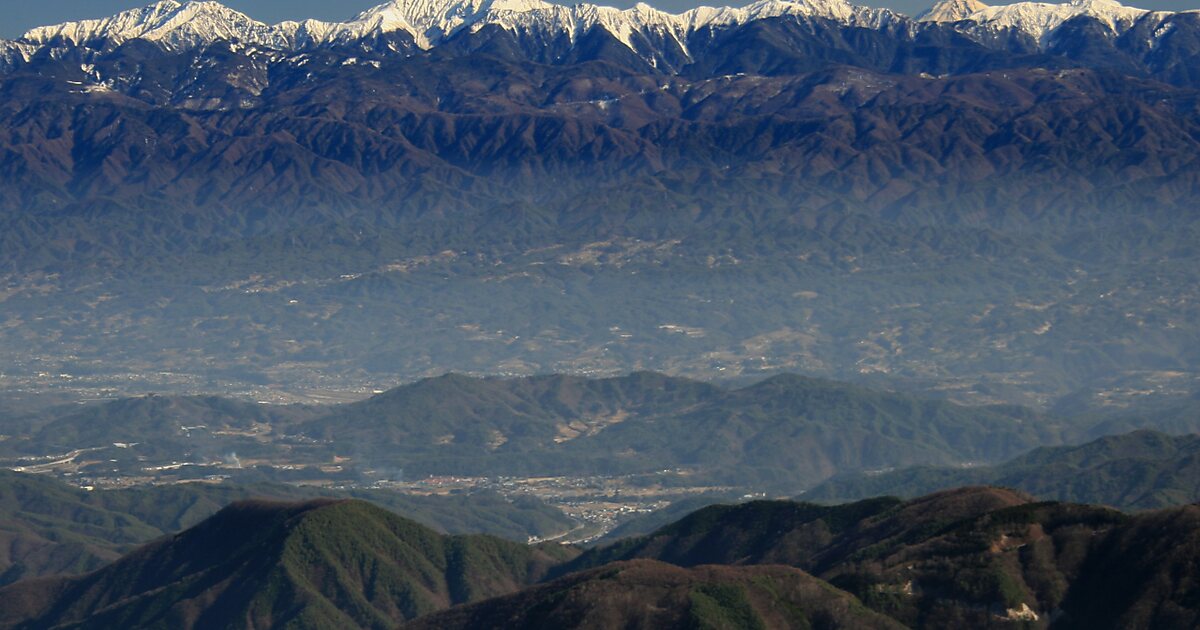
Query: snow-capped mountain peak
pixel 427 20
pixel 170 23
pixel 1037 19
pixel 951 10
pixel 430 21
pixel 175 24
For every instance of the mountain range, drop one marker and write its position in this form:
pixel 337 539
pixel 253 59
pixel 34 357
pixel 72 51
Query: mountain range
pixel 1139 471
pixel 665 41
pixel 969 557
pixel 785 433
pixel 50 528
pixel 965 242
pixel 979 557
pixel 316 564
pixel 998 208
pixel 782 431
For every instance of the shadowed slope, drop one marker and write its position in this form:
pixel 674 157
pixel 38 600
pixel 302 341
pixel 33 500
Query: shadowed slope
pixel 960 558
pixel 799 534
pixel 649 594
pixel 1139 470
pixel 970 557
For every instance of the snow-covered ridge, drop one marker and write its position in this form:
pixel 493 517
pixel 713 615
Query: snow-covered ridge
pixel 180 25
pixel 171 23
pixel 176 25
pixel 14 52
pixel 951 11
pixel 1038 19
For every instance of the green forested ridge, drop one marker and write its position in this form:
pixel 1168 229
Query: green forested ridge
pixel 1136 471
pixel 317 564
pixel 969 557
pixel 952 559
pixel 47 527
pixel 786 431
pixel 783 434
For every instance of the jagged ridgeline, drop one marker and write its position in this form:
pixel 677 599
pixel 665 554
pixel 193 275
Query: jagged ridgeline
pixel 1003 197
pixel 638 95
pixel 662 41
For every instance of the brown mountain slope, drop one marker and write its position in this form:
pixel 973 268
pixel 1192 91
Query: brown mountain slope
pixel 968 557
pixel 800 534
pixel 649 594
pixel 436 138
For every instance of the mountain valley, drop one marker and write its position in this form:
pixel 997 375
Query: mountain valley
pixel 776 199
pixel 570 459
pixel 506 314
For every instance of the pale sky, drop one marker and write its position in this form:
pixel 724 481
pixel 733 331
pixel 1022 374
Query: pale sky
pixel 18 16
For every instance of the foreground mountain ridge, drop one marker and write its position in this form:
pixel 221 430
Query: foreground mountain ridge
pixel 652 594
pixel 257 564
pixel 968 557
pixel 965 557
pixel 50 528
